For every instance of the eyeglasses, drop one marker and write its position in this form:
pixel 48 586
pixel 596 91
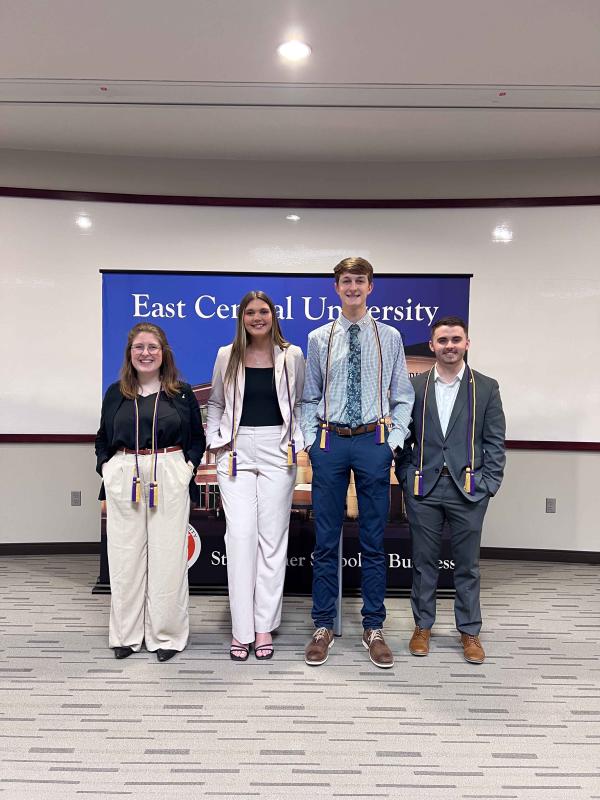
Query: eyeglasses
pixel 138 349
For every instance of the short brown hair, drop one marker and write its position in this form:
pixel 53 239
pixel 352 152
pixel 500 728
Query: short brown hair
pixel 356 265
pixel 451 322
pixel 169 376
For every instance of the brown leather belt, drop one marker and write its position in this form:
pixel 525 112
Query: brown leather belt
pixel 445 472
pixel 344 430
pixel 148 452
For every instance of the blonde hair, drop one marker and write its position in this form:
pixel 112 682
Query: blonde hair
pixel 240 342
pixel 169 376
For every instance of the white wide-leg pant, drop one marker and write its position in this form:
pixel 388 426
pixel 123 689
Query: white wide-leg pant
pixel 257 505
pixel 147 553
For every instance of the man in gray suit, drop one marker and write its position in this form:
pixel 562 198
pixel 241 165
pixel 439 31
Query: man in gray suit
pixel 451 465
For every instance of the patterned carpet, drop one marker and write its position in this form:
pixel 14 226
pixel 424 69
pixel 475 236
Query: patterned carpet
pixel 526 724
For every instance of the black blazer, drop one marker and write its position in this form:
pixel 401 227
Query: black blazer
pixel 193 440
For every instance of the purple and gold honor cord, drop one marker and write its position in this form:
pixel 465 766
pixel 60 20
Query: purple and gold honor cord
pixel 380 426
pixel 291 448
pixel 469 485
pixel 232 466
pixel 136 484
pixel 470 471
pixel 324 425
pixel 418 485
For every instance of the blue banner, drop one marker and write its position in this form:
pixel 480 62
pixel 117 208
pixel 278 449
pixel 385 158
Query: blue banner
pixel 197 311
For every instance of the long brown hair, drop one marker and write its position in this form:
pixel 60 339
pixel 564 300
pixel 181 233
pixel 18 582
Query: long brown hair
pixel 240 342
pixel 169 376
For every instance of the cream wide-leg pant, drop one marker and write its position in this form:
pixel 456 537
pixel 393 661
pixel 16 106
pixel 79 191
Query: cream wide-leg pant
pixel 257 505
pixel 147 553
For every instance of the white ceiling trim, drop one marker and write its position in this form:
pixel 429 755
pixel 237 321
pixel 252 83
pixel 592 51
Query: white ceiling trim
pixel 297 95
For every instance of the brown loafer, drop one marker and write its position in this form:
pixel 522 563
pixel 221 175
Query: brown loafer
pixel 379 653
pixel 473 651
pixel 419 642
pixel 317 650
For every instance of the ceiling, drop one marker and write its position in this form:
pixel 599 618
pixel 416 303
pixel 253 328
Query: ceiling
pixel 388 80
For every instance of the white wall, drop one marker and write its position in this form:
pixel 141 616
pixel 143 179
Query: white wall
pixel 36 482
pixel 516 518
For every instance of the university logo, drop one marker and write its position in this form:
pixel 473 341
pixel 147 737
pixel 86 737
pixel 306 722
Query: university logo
pixel 194 545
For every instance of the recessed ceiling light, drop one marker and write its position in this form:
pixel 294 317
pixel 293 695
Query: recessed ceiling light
pixel 293 217
pixel 294 50
pixel 502 233
pixel 84 222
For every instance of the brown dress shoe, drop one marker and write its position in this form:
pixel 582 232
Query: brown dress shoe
pixel 419 642
pixel 317 650
pixel 472 648
pixel 379 653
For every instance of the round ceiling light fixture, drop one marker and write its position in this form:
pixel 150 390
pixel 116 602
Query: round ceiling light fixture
pixel 502 233
pixel 84 222
pixel 294 50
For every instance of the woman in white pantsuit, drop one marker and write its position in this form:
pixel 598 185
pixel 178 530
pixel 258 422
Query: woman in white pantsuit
pixel 253 428
pixel 148 448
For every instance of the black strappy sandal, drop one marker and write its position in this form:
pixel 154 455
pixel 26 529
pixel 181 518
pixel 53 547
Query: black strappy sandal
pixel 242 649
pixel 269 654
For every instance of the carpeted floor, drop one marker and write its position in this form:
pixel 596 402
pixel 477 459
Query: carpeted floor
pixel 526 724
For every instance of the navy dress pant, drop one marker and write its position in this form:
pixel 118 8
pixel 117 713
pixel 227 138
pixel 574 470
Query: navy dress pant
pixel 370 463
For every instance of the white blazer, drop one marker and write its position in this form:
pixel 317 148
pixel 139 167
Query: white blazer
pixel 220 402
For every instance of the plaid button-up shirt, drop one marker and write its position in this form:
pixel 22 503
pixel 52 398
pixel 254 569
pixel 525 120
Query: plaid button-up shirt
pixel 398 393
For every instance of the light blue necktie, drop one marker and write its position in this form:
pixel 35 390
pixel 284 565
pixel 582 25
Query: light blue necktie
pixel 353 389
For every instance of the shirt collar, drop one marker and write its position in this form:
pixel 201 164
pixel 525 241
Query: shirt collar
pixel 362 322
pixel 456 378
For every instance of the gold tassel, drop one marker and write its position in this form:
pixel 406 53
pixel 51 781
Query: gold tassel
pixel 468 480
pixel 380 432
pixel 418 484
pixel 291 454
pixel 324 443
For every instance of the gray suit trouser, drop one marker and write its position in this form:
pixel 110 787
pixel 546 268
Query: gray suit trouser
pixel 426 516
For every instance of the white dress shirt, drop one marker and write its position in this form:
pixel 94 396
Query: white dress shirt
pixel 445 396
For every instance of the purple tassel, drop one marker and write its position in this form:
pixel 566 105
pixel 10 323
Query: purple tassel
pixel 233 463
pixel 135 490
pixel 153 495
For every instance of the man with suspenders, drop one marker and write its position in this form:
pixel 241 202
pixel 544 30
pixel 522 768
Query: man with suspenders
pixel 356 411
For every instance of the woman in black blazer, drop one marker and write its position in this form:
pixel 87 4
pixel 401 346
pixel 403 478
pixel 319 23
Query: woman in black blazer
pixel 148 447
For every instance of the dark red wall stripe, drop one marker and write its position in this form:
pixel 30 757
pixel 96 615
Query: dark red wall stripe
pixel 298 202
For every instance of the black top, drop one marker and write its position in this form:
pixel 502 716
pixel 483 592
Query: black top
pixel 261 406
pixel 169 423
pixel 192 433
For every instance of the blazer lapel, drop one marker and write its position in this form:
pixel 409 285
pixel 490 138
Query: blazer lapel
pixel 239 400
pixel 278 359
pixel 459 403
pixel 431 409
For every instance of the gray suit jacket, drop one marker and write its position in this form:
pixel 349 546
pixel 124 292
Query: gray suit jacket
pixel 454 448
